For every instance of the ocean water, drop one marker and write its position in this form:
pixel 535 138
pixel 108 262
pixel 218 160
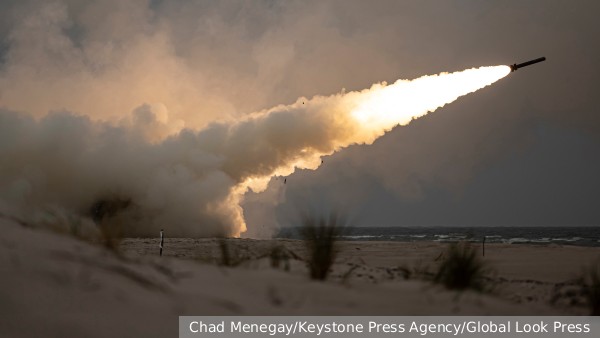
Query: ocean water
pixel 580 236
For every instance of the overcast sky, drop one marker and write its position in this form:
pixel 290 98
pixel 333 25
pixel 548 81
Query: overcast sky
pixel 524 151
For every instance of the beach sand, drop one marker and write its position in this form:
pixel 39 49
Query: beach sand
pixel 55 285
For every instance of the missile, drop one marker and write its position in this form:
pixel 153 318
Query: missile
pixel 525 64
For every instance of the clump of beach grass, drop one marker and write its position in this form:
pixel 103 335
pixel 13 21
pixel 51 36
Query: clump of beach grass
pixel 280 256
pixel 105 213
pixel 111 234
pixel 590 283
pixel 229 256
pixel 320 235
pixel 418 270
pixel 276 256
pixel 462 268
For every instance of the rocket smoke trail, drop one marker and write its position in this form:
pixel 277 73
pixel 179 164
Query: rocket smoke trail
pixel 192 183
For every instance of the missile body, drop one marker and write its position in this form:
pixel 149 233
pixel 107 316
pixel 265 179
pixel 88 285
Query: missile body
pixel 525 64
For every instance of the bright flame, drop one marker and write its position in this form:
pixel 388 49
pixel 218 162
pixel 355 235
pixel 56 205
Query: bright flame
pixel 383 106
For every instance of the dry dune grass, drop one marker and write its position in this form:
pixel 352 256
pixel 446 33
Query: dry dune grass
pixel 462 268
pixel 320 235
pixel 590 283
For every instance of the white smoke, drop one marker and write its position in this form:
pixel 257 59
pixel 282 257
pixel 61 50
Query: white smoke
pixel 192 183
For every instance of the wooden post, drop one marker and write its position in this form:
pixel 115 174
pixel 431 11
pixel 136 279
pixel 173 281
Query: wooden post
pixel 483 246
pixel 162 239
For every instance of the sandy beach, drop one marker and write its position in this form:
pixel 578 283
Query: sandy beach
pixel 63 284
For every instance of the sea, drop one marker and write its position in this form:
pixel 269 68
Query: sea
pixel 579 236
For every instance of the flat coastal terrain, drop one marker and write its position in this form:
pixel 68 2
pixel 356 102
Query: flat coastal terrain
pixel 55 285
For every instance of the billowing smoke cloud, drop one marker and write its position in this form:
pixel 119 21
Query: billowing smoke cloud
pixel 192 183
pixel 132 73
pixel 105 58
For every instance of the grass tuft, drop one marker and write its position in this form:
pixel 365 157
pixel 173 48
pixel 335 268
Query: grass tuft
pixel 320 235
pixel 111 234
pixel 280 257
pixel 590 282
pixel 229 257
pixel 104 212
pixel 462 268
pixel 416 271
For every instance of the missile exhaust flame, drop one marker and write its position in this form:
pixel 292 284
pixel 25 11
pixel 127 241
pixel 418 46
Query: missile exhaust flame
pixel 368 114
pixel 386 106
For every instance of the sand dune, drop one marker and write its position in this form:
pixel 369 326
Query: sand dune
pixel 54 285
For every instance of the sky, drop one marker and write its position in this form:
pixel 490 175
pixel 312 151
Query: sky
pixel 523 151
